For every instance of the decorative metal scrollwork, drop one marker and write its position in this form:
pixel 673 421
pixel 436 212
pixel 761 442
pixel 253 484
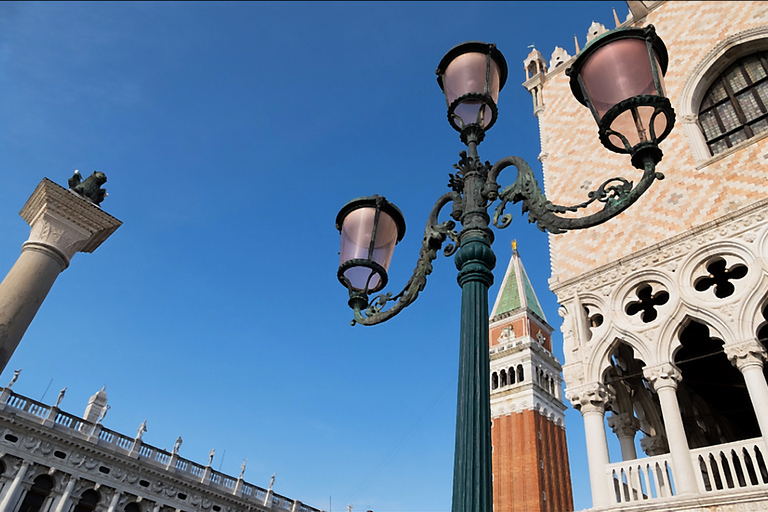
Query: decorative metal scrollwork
pixel 617 194
pixel 435 235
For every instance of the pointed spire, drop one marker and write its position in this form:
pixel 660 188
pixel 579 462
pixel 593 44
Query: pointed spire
pixel 616 17
pixel 576 41
pixel 516 291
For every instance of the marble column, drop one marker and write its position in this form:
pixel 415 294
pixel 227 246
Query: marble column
pixel 748 357
pixel 62 223
pixel 12 494
pixel 625 426
pixel 113 502
pixel 64 499
pixel 664 378
pixel 592 400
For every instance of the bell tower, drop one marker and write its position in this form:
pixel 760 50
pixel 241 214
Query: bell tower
pixel 530 456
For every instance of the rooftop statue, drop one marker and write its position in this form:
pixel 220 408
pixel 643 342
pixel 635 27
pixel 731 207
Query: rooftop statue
pixel 89 189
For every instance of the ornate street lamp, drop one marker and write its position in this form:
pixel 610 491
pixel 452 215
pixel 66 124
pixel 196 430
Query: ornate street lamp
pixel 619 77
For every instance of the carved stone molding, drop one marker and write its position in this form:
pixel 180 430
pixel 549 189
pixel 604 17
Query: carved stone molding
pixel 594 397
pixel 654 445
pixel 746 354
pixel 665 375
pixel 65 221
pixel 624 424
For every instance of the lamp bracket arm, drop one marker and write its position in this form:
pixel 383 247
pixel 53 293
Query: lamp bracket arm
pixel 617 194
pixel 435 235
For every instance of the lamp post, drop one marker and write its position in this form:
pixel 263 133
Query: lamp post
pixel 619 77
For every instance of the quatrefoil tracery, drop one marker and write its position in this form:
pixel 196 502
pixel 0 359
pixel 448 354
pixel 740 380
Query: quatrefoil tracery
pixel 647 303
pixel 719 278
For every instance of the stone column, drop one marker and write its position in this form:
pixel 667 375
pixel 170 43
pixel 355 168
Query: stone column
pixel 64 500
pixel 748 357
pixel 625 426
pixel 12 494
pixel 592 400
pixel 113 502
pixel 664 379
pixel 62 223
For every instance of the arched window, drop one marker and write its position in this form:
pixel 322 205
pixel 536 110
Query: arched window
pixel 132 507
pixel 520 374
pixel 735 107
pixel 35 497
pixel 494 381
pixel 503 378
pixel 512 375
pixel 88 501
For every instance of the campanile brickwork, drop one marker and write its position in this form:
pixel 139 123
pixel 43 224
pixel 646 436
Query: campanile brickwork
pixel 530 457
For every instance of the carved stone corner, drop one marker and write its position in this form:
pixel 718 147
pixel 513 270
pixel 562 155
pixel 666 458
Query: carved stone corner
pixel 745 354
pixel 593 397
pixel 65 221
pixel 663 375
pixel 624 424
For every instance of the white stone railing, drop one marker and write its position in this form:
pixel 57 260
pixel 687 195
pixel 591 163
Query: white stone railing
pixel 740 466
pixel 641 479
pixel 96 433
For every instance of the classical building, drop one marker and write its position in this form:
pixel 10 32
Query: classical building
pixel 665 308
pixel 53 461
pixel 530 457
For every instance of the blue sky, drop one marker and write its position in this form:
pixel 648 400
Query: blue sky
pixel 231 134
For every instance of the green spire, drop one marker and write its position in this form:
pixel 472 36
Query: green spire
pixel 516 291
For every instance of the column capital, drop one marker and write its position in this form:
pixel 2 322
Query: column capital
pixel 654 445
pixel 593 397
pixel 65 223
pixel 665 375
pixel 746 354
pixel 624 424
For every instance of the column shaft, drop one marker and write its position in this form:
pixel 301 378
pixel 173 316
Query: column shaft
pixel 682 467
pixel 11 496
pixel 597 456
pixel 23 291
pixel 758 394
pixel 64 498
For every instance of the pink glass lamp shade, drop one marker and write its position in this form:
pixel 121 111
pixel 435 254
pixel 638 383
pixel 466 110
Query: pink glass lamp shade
pixel 620 77
pixel 471 76
pixel 370 228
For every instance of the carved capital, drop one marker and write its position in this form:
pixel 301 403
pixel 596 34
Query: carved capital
pixel 746 354
pixel 624 424
pixel 661 376
pixel 654 445
pixel 65 222
pixel 593 397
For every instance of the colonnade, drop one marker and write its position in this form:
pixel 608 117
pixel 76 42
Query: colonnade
pixel 592 400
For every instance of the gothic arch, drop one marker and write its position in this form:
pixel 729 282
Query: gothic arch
pixel 602 363
pixel 704 73
pixel 669 339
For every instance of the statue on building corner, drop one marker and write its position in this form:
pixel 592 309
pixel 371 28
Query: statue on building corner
pixel 61 397
pixel 15 378
pixel 103 414
pixel 142 429
pixel 242 468
pixel 176 446
pixel 90 188
pixel 271 481
pixel 211 455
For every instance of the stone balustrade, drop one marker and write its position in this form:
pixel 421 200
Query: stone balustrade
pixel 159 459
